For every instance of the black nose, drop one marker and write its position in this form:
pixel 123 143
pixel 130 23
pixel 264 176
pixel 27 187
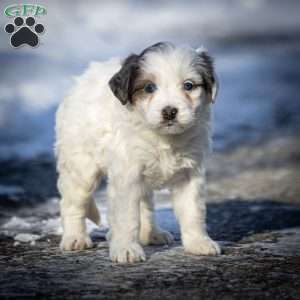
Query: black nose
pixel 169 113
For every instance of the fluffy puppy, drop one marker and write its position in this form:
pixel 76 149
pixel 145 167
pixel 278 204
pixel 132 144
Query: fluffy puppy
pixel 143 122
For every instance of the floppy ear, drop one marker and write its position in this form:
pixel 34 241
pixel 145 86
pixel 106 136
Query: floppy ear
pixel 214 88
pixel 121 83
pixel 205 65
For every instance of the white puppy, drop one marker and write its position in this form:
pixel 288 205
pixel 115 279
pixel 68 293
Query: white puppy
pixel 145 124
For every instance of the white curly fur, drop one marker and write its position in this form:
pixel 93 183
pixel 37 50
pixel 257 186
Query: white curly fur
pixel 97 136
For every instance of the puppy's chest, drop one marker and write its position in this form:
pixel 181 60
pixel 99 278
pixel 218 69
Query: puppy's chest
pixel 162 163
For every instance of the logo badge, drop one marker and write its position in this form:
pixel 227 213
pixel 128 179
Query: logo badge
pixel 24 29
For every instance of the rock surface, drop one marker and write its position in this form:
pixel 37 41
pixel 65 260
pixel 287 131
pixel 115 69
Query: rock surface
pixel 258 262
pixel 254 212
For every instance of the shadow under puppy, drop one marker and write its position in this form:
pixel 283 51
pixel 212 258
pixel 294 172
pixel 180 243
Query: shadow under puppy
pixel 145 124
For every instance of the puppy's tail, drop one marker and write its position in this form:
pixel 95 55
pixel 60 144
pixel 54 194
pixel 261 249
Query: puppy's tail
pixel 93 213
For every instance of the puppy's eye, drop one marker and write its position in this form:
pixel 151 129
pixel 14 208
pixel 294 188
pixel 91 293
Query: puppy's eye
pixel 150 87
pixel 188 85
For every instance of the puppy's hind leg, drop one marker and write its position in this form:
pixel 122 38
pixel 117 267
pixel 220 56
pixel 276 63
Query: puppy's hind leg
pixel 76 205
pixel 150 233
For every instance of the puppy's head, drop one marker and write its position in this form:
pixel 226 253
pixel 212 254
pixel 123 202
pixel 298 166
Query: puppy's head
pixel 167 85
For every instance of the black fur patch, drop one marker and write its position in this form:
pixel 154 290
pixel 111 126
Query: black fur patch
pixel 158 47
pixel 122 82
pixel 204 64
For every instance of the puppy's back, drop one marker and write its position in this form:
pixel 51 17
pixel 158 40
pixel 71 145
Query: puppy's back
pixel 86 113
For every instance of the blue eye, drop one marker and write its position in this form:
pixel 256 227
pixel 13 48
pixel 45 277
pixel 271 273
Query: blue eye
pixel 150 88
pixel 188 85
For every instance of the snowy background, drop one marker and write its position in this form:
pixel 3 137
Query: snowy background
pixel 256 45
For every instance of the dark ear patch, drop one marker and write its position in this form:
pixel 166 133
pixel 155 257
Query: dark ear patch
pixel 205 66
pixel 122 82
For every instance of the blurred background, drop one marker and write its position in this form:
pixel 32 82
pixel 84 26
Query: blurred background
pixel 256 45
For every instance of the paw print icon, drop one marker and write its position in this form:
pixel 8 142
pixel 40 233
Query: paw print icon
pixel 24 33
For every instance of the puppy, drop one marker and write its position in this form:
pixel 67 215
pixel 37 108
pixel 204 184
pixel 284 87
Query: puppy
pixel 143 122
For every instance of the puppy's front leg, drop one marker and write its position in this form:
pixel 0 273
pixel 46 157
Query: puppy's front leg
pixel 124 193
pixel 190 209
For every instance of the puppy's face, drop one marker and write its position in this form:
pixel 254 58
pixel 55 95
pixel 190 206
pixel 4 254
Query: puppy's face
pixel 167 86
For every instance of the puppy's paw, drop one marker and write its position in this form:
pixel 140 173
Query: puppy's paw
pixel 202 246
pixel 156 237
pixel 76 242
pixel 126 253
pixel 108 235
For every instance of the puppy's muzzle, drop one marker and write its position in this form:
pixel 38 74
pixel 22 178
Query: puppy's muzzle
pixel 169 113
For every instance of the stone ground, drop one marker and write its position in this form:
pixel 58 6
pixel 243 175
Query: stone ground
pixel 253 211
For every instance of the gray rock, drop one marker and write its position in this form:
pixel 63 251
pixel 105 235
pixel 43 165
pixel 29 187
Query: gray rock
pixel 259 261
pixel 253 211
